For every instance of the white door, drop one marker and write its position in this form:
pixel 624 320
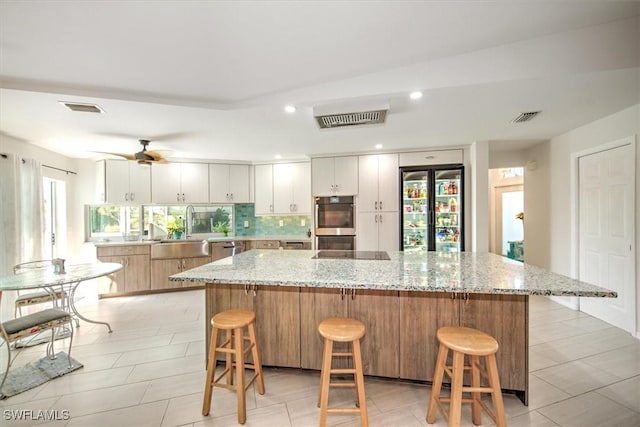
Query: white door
pixel 264 189
pixel 283 176
pixel 606 231
pixel 301 186
pixel 367 231
pixel 368 183
pixel 346 175
pixel 117 181
pixel 239 183
pixel 388 231
pixel 323 180
pixel 218 183
pixel 139 183
pixel 194 182
pixel 388 183
pixel 165 183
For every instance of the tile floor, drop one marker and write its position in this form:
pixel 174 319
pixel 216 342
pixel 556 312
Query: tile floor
pixel 150 372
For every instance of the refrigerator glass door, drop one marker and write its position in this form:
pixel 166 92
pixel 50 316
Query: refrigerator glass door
pixel 447 210
pixel 415 210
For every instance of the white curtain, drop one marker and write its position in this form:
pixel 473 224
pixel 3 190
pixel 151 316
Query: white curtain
pixel 21 217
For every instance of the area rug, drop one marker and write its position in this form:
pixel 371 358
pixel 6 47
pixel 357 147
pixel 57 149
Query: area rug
pixel 36 373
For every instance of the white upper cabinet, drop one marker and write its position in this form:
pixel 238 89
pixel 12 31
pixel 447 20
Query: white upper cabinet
pixel 335 176
pixel 283 189
pixel 228 183
pixel 263 175
pixel 378 177
pixel 180 183
pixel 439 157
pixel 292 188
pixel 124 182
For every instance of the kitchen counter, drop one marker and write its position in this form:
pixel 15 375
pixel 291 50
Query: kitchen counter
pixel 402 302
pixel 467 272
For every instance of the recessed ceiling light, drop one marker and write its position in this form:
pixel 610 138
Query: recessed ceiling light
pixel 415 95
pixel 278 156
pixel 290 109
pixel 378 146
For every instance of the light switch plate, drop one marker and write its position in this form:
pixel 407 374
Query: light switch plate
pixel 303 223
pixel 281 223
pixel 246 224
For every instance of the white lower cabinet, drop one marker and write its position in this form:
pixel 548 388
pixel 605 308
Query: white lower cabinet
pixel 378 231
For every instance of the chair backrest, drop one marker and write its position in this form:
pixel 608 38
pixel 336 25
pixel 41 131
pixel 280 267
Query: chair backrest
pixel 32 265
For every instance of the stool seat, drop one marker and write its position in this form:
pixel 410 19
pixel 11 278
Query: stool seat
pixel 341 329
pixel 467 340
pixel 232 319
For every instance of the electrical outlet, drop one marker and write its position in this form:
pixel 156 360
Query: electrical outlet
pixel 303 223
pixel 246 224
pixel 281 223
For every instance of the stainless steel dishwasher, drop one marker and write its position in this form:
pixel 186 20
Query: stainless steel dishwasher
pixel 225 249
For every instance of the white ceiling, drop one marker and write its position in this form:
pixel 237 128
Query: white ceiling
pixel 209 80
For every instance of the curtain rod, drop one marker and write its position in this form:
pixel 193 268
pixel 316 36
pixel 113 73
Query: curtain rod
pixel 5 156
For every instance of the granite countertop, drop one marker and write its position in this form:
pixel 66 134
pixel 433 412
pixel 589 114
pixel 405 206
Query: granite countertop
pixel 469 272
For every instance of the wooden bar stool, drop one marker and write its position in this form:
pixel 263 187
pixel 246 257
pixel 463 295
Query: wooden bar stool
pixel 349 331
pixel 233 322
pixel 475 344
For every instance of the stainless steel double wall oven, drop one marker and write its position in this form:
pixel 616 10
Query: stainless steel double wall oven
pixel 335 223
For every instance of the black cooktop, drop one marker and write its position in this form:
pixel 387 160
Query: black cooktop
pixel 373 255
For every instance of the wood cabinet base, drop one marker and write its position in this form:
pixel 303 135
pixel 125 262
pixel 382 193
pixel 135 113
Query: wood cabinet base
pixel 400 338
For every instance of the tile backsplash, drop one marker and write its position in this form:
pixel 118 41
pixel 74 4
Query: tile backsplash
pixel 268 225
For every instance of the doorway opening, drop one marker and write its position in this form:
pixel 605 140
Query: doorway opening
pixel 506 236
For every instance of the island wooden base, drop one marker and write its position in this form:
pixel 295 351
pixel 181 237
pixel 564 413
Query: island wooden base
pixel 400 340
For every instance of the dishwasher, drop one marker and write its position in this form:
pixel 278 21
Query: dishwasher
pixel 225 249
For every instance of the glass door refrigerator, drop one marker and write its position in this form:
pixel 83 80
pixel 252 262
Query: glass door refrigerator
pixel 432 214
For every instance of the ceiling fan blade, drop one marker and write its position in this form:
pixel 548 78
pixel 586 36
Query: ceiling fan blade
pixel 155 155
pixel 126 156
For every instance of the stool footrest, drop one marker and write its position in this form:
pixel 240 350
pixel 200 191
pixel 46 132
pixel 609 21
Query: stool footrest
pixel 342 384
pixel 343 410
pixel 343 371
pixel 342 354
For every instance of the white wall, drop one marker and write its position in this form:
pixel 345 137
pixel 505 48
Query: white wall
pixel 617 126
pixel 537 209
pixel 80 189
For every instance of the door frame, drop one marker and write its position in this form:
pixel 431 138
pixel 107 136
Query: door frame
pixel 575 215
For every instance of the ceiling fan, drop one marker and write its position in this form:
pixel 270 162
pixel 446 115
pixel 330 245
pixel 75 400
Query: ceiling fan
pixel 143 156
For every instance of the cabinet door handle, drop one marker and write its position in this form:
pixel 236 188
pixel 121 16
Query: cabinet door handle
pixel 126 197
pixel 178 197
pixel 123 263
pixel 270 208
pixel 380 218
pixel 337 187
pixel 353 294
pixel 380 204
pixel 231 196
pixel 295 207
pixel 376 217
pixel 332 187
pixel 184 264
pixel 255 290
pixel 184 199
pixel 227 196
pixel 246 289
pixel 375 205
pixel 342 292
pixel 132 196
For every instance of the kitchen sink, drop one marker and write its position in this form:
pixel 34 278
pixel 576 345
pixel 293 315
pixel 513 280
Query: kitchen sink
pixel 179 249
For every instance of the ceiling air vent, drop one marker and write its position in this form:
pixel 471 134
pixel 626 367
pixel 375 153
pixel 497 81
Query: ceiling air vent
pixel 85 108
pixel 525 117
pixel 353 114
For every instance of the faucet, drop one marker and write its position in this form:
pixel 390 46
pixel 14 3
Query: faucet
pixel 188 222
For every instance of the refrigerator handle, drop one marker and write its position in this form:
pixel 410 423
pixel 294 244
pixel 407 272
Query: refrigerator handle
pixel 432 217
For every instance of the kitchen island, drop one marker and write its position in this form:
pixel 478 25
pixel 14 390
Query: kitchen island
pixel 402 301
